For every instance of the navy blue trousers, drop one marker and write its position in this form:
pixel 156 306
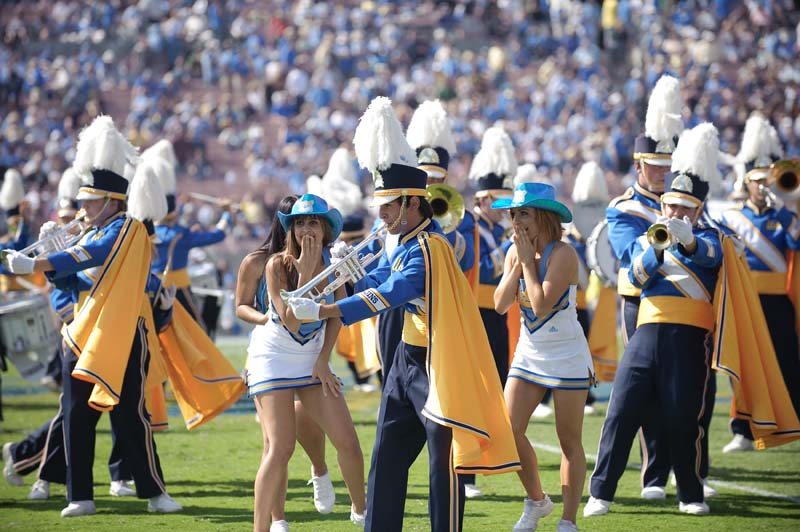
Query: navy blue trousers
pixel 402 431
pixel 663 375
pixel 130 422
pixel 390 333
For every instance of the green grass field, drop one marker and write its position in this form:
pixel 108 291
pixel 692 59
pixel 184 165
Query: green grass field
pixel 210 471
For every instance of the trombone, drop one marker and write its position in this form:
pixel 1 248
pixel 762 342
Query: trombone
pixel 220 202
pixel 448 206
pixel 659 236
pixel 349 269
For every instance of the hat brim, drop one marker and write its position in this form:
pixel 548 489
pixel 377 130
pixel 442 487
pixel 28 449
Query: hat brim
pixel 333 217
pixel 87 196
pixel 377 201
pixel 684 200
pixel 564 214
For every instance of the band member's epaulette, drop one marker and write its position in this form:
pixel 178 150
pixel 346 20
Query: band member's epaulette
pixel 628 194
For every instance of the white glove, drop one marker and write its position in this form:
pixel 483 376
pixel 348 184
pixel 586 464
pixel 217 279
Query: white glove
pixel 340 250
pixel 662 219
pixel 304 309
pixel 775 202
pixel 47 229
pixel 167 297
pixel 681 230
pixel 18 263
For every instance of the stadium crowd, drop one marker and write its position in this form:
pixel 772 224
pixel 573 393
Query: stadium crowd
pixel 279 85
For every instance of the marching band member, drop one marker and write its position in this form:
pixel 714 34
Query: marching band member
pixel 176 240
pixel 107 273
pixel 629 216
pixel 442 391
pixel 252 306
pixel 542 273
pixel 769 231
pixel 290 355
pixel 493 170
pixel 429 134
pixel 17 235
pixel 665 371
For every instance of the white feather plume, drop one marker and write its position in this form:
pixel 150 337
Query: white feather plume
pixel 12 192
pixel 496 155
pixel 163 148
pixel 379 141
pixel 430 126
pixel 69 185
pixel 590 184
pixel 146 198
pixel 314 185
pixel 698 153
pixel 164 172
pixel 526 173
pixel 102 146
pixel 759 140
pixel 341 166
pixel 663 120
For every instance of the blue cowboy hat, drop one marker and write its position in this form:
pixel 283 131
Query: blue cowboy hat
pixel 311 205
pixel 536 195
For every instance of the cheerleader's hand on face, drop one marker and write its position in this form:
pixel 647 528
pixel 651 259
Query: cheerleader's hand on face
pixel 330 382
pixel 304 309
pixel 310 252
pixel 526 249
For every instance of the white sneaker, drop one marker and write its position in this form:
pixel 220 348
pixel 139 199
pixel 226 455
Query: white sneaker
pixel 367 387
pixel 738 444
pixel 324 496
pixel 122 488
pixel 588 410
pixel 654 493
pixel 40 490
pixel 566 526
pixel 595 507
pixel 694 508
pixel 79 508
pixel 471 491
pixel 542 411
pixel 12 477
pixel 163 504
pixel 279 526
pixel 708 491
pixel 358 519
pixel 532 512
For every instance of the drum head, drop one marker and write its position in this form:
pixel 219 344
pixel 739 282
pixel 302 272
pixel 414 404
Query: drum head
pixel 29 332
pixel 600 257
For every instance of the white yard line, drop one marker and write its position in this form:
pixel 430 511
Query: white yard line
pixel 724 484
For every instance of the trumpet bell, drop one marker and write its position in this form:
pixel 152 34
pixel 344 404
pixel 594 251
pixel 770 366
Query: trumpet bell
pixel 659 237
pixel 448 206
pixel 784 177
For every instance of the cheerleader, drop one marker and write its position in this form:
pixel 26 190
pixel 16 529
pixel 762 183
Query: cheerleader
pixel 541 273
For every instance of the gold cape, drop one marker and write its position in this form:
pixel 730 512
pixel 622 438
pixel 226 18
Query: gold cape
pixel 464 388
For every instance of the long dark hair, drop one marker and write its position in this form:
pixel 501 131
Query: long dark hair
pixel 276 239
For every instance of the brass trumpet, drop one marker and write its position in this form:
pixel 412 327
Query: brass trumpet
pixel 659 236
pixel 784 176
pixel 448 206
pixel 350 268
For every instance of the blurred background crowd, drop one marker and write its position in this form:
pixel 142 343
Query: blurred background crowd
pixel 255 95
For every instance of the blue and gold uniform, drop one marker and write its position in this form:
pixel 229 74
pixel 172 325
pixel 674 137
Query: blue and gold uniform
pixel 665 366
pixel 171 261
pixel 629 216
pixel 79 270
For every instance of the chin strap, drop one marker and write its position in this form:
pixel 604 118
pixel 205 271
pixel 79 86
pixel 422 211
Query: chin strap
pixel 91 219
pixel 401 219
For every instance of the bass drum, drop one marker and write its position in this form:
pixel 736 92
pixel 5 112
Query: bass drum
pixel 600 257
pixel 29 332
